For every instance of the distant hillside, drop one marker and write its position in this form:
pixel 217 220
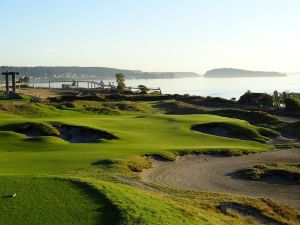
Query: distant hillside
pixel 185 74
pixel 66 73
pixel 229 72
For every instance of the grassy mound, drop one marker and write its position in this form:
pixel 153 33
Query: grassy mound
pixel 52 201
pixel 87 107
pixel 292 130
pixel 177 107
pixel 11 136
pixel 289 171
pixel 248 211
pixel 268 132
pixel 125 106
pixel 33 129
pixel 104 108
pixel 232 130
pixel 24 109
pixel 45 140
pixel 100 110
pixel 253 117
pixel 178 207
pixel 42 132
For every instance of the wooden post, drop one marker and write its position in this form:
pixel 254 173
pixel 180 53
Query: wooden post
pixel 7 85
pixel 13 75
pixel 13 80
pixel 49 85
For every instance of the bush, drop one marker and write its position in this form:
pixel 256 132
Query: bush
pixel 256 99
pixel 292 104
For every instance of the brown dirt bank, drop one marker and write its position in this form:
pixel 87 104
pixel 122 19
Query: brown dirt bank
pixel 215 173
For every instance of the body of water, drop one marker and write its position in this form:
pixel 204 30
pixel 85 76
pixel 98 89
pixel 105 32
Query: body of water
pixel 216 87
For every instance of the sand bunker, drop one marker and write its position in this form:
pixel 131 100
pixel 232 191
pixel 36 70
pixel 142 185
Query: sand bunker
pixel 225 130
pixel 70 133
pixel 216 173
pixel 81 134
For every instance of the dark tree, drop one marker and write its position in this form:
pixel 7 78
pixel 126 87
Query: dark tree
pixel 24 79
pixel 143 89
pixel 292 104
pixel 121 82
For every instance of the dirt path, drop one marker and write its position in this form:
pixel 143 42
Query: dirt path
pixel 215 174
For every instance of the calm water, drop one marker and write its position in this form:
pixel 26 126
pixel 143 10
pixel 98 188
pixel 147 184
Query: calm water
pixel 222 87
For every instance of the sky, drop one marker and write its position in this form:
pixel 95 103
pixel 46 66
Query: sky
pixel 152 35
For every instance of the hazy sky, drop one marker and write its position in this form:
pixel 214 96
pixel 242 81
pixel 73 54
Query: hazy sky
pixel 152 35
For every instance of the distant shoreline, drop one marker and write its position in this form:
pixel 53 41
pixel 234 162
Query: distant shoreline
pixel 239 73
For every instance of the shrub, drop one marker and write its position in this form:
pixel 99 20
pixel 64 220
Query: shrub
pixel 256 99
pixel 292 104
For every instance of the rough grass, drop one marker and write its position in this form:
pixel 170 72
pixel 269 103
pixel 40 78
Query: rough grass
pixel 177 108
pixel 138 165
pixel 169 206
pixel 290 171
pixel 105 108
pixel 254 117
pixel 23 109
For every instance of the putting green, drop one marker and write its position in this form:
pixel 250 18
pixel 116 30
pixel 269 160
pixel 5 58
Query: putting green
pixel 43 201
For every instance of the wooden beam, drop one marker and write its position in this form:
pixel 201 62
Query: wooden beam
pixel 7 86
pixel 13 80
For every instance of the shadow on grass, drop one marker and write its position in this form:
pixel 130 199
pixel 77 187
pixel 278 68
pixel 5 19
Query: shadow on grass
pixel 6 196
pixel 108 213
pixel 278 179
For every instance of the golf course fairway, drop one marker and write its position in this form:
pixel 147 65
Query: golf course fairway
pixel 95 179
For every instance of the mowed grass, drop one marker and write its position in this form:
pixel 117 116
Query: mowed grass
pixel 42 201
pixel 138 133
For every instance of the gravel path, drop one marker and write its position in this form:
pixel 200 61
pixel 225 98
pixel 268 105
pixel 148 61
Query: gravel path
pixel 215 174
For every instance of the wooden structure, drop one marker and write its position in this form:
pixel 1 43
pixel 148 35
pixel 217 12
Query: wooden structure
pixel 13 80
pixel 92 85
